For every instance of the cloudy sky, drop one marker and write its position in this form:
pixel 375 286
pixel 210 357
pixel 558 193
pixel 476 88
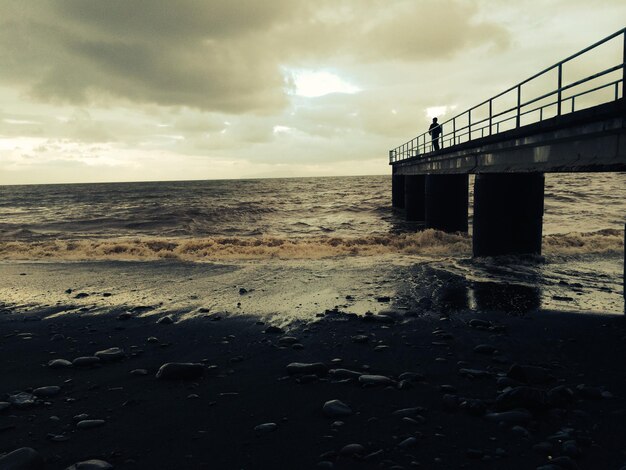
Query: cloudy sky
pixel 133 90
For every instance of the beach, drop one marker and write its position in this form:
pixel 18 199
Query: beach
pixel 423 381
pixel 302 323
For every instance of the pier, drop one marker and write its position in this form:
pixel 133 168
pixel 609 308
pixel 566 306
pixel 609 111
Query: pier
pixel 509 142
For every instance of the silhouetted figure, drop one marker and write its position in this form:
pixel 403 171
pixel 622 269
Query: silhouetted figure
pixel 435 131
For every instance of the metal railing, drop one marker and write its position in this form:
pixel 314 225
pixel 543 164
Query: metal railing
pixel 467 126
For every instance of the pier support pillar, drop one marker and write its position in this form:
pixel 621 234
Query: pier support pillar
pixel 397 191
pixel 447 202
pixel 414 192
pixel 508 213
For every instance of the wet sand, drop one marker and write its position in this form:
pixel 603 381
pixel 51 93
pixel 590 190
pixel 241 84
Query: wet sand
pixel 423 380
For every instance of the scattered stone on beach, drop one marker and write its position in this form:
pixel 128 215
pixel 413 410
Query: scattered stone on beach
pixel 180 371
pixel 287 340
pixel 514 416
pixel 24 458
pixel 475 373
pixel 48 391
pixel 360 338
pixel 485 349
pixel 86 361
pixel 408 442
pixel 521 397
pixel 22 400
pixel 57 437
pixel 375 380
pixel 344 374
pixel 381 347
pixel 139 372
pixel 81 295
pixel 166 320
pixel 480 324
pixel 474 406
pixel 451 402
pixel 352 449
pixel 274 330
pixel 111 354
pixel 560 396
pixel 265 428
pixel 317 368
pixel 543 448
pixel 57 337
pixel 4 405
pixel 531 375
pixel 409 412
pixel 336 408
pixel 124 316
pixel 90 423
pixel 152 339
pixel 93 464
pixel 243 291
pixel 586 391
pixel 59 364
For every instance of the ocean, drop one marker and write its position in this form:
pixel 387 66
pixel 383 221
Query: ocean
pixel 319 219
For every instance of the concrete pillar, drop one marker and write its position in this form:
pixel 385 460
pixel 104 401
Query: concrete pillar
pixel 508 213
pixel 447 202
pixel 414 197
pixel 397 191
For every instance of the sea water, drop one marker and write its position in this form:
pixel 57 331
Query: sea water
pixel 320 219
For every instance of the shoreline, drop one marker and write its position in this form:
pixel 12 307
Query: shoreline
pixel 448 365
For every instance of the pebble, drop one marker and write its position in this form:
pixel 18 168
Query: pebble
pixel 475 373
pixel 287 340
pixel 180 371
pixel 265 428
pixel 325 464
pixel 152 339
pixel 381 347
pixel 485 349
pixel 521 397
pixel 57 337
pixel 352 449
pixel 410 412
pixel 139 372
pixel 22 400
pixel 307 368
pixel 516 416
pixel 570 448
pixel 408 442
pixel 360 339
pixel 90 423
pixel 531 375
pixel 59 364
pixel 166 320
pixel 111 354
pixel 586 391
pixel 344 374
pixel 477 323
pixel 93 464
pixel 375 380
pixel 274 330
pixel 411 377
pixel 86 361
pixel 48 391
pixel 335 408
pixel 24 458
pixel 4 405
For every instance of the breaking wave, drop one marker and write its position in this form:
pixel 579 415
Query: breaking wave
pixel 428 242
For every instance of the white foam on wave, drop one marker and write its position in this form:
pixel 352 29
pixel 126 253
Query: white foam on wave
pixel 428 242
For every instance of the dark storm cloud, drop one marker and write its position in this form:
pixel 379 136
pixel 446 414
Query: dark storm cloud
pixel 218 55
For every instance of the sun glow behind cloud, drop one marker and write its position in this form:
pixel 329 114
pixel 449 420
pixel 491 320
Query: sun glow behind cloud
pixel 315 83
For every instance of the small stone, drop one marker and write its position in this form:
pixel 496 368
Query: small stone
pixel 352 449
pixel 521 397
pixel 287 340
pixel 485 349
pixel 48 391
pixel 516 416
pixel 139 372
pixel 408 442
pixel 410 412
pixel 81 295
pixel 475 373
pixel 336 408
pixel 24 458
pixel 274 330
pixel 22 400
pixel 307 368
pixel 4 405
pixel 111 354
pixel 522 431
pixel 166 320
pixel 381 347
pixel 531 375
pixel 180 371
pixel 59 364
pixel 375 380
pixel 86 361
pixel 479 324
pixel 152 339
pixel 344 374
pixel 586 391
pixel 57 337
pixel 93 464
pixel 90 423
pixel 325 464
pixel 265 428
pixel 411 377
pixel 124 316
pixel 360 339
pixel 383 299
pixel 570 448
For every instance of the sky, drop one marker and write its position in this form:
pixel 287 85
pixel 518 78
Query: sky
pixel 153 90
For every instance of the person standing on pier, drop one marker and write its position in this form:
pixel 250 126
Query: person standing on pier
pixel 435 131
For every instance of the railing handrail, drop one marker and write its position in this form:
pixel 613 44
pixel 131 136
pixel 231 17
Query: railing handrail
pixel 407 150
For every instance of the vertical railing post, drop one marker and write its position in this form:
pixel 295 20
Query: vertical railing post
pixel 469 125
pixel 558 92
pixel 624 66
pixel 519 105
pixel 454 130
pixel 490 113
